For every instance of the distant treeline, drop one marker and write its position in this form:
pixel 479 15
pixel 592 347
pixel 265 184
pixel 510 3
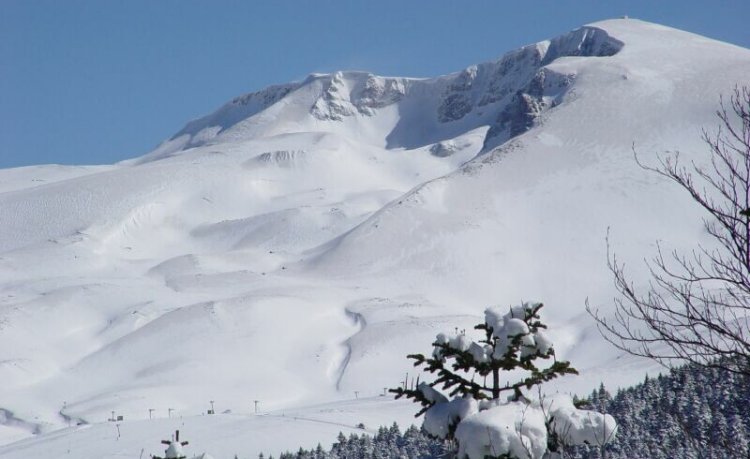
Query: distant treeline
pixel 689 413
pixel 388 443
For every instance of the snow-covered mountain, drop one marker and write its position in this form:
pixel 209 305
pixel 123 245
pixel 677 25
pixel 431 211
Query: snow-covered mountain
pixel 294 245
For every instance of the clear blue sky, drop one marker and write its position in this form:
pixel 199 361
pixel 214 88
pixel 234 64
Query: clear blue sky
pixel 94 82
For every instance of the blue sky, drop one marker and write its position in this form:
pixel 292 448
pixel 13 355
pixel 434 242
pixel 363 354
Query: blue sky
pixel 95 82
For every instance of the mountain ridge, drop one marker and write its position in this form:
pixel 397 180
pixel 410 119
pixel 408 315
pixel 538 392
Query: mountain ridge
pixel 343 94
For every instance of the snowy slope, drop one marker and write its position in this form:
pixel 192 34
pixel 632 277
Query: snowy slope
pixel 242 433
pixel 294 245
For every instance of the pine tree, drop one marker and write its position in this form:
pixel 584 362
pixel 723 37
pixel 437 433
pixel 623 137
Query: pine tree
pixel 512 357
pixel 319 452
pixel 738 437
pixel 515 344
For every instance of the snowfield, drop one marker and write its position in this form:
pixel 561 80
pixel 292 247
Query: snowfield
pixel 295 245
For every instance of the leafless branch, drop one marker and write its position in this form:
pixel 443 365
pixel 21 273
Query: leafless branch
pixel 696 307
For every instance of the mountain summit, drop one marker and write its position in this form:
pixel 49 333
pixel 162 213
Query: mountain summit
pixel 294 245
pixel 506 96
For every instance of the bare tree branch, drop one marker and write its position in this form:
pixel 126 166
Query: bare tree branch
pixel 696 307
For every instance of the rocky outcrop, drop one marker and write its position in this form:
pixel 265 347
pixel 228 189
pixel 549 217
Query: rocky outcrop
pixel 520 84
pixel 543 92
pixel 379 92
pixel 238 109
pixel 349 93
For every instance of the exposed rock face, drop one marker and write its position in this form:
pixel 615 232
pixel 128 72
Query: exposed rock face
pixel 283 158
pixel 454 107
pixel 543 92
pixel 546 88
pixel 457 98
pixel 379 92
pixel 510 70
pixel 347 94
pixel 334 103
pixel 448 147
pixel 489 83
pixel 520 84
pixel 264 98
pixel 238 109
pixel 584 41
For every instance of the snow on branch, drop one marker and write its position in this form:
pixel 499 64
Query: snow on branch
pixel 463 402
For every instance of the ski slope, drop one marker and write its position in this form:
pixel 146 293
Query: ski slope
pixel 294 246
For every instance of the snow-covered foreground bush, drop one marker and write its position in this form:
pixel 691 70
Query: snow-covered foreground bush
pixel 511 428
pixel 526 429
pixel 473 413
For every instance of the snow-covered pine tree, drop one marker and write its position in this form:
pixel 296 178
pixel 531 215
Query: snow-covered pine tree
pixel 512 341
pixel 738 437
pixel 483 424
